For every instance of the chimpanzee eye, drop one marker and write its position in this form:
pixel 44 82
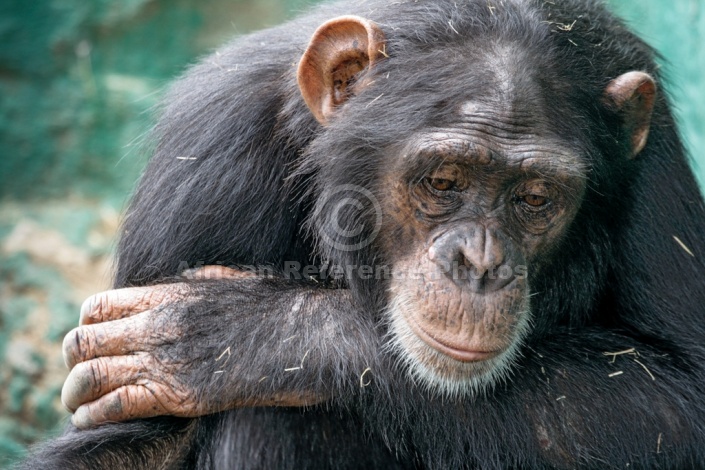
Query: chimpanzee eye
pixel 440 184
pixel 534 200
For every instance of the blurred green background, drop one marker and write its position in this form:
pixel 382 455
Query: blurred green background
pixel 78 80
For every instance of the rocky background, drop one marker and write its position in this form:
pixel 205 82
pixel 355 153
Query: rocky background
pixel 78 80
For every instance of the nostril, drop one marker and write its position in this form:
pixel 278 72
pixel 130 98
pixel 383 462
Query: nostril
pixel 472 263
pixel 461 260
pixel 465 272
pixel 472 259
pixel 479 277
pixel 499 281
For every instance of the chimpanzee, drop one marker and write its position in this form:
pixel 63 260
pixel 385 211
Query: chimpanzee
pixel 415 234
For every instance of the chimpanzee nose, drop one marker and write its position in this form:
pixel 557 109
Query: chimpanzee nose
pixel 474 257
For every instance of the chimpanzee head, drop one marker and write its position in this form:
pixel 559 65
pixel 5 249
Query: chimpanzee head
pixel 465 168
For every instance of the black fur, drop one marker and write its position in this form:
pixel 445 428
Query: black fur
pixel 261 171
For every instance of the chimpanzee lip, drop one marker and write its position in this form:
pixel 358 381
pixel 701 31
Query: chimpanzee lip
pixel 454 351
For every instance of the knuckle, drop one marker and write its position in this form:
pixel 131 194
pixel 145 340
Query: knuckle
pixel 98 335
pixel 100 373
pixel 153 296
pixel 177 291
pixel 90 374
pixel 111 407
pixel 101 305
pixel 167 294
pixel 78 346
pixel 130 401
pixel 137 366
pixel 157 398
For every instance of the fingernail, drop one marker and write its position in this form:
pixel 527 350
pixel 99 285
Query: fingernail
pixel 66 347
pixel 81 419
pixel 67 391
pixel 86 309
pixel 63 402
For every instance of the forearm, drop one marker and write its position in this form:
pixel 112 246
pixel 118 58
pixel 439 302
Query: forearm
pixel 274 342
pixel 202 346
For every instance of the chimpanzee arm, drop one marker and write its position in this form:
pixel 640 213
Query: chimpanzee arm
pixel 570 403
pixel 195 348
pixel 595 386
pixel 282 343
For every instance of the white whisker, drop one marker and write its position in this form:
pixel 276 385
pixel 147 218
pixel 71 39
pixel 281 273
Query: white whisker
pixel 442 375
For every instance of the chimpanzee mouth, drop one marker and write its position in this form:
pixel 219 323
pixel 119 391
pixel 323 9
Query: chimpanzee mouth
pixel 447 367
pixel 462 353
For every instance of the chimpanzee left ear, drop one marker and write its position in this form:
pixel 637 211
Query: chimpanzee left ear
pixel 632 95
pixel 339 50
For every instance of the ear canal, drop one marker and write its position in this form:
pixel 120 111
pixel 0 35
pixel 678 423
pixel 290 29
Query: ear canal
pixel 633 95
pixel 338 51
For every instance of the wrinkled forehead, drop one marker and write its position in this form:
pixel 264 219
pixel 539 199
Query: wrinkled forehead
pixel 479 147
pixel 499 101
pixel 507 81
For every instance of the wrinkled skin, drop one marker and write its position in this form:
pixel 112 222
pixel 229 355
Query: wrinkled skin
pixel 130 371
pixel 490 192
pixel 126 363
pixel 486 137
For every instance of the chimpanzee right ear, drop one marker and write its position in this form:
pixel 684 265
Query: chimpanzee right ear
pixel 339 51
pixel 632 95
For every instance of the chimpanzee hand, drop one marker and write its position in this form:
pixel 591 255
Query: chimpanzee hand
pixel 117 358
pixel 190 348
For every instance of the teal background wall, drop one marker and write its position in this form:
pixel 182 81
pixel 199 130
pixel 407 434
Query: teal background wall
pixel 78 80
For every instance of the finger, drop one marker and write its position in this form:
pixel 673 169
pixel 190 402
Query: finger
pixel 216 272
pixel 90 380
pixel 120 303
pixel 122 404
pixel 115 338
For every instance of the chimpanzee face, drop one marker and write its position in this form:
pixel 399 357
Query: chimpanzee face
pixel 476 200
pixel 471 216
